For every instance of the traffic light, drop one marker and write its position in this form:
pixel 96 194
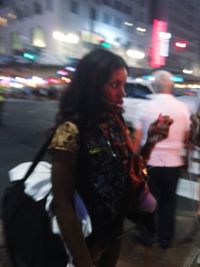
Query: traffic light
pixel 100 40
pixel 29 55
pixel 105 44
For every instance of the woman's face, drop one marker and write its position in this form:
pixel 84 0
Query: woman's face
pixel 114 89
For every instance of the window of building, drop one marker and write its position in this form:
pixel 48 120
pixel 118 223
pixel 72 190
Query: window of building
pixel 27 11
pixel 49 5
pixel 74 7
pixel 16 41
pixel 141 3
pixel 38 38
pixel 106 2
pixel 93 14
pixel 127 9
pixel 37 7
pixel 107 18
pixel 117 22
pixel 18 12
pixel 118 5
pixel 2 48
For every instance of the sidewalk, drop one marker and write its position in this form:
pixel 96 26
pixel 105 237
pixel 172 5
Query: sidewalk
pixel 183 253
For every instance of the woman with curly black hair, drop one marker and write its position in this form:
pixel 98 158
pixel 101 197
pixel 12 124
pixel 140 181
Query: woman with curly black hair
pixel 91 153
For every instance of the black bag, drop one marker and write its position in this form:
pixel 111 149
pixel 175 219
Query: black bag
pixel 27 228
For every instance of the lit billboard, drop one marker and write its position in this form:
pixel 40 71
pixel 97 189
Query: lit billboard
pixel 157 57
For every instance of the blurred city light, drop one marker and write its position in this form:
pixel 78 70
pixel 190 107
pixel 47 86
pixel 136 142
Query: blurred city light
pixel 39 43
pixel 62 72
pixel 181 44
pixel 66 80
pixel 16 85
pixel 165 35
pixel 174 78
pixel 38 80
pixel 11 15
pixel 59 36
pixel 29 55
pixel 177 79
pixel 20 80
pixel 135 54
pixel 3 21
pixel 129 24
pixel 72 38
pixel 70 68
pixel 69 38
pixel 115 43
pixel 187 71
pixel 53 80
pixel 105 44
pixel 139 29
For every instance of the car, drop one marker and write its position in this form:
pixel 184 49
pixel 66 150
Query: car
pixel 139 92
pixel 138 88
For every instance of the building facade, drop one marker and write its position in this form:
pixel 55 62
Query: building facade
pixel 59 31
pixel 45 26
pixel 184 21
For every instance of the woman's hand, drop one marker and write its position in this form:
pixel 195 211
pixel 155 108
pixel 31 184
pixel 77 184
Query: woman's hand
pixel 159 129
pixel 157 132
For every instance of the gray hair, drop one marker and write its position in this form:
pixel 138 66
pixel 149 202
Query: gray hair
pixel 162 81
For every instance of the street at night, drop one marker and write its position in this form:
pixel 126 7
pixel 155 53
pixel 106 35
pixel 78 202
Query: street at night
pixel 26 124
pixel 106 55
pixel 25 127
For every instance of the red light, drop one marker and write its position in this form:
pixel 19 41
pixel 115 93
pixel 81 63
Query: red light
pixel 181 44
pixel 53 80
pixel 100 38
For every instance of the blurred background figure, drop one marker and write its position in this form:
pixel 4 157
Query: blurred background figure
pixel 194 152
pixel 195 128
pixel 166 161
pixel 2 102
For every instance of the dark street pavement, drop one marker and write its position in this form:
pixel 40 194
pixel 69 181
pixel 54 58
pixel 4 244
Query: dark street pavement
pixel 25 129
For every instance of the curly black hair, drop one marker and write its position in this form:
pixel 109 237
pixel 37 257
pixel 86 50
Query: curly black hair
pixel 84 96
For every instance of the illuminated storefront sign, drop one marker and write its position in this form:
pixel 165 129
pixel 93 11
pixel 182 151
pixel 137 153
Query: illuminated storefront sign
pixel 157 57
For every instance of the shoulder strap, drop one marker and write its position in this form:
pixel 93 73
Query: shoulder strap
pixel 39 155
pixel 137 169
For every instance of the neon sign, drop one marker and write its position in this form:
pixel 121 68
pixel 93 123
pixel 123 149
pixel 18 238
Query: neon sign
pixel 157 59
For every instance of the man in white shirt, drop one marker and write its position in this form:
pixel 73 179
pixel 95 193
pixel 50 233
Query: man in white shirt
pixel 166 161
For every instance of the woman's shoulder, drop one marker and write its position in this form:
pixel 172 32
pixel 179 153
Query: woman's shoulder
pixel 68 126
pixel 66 137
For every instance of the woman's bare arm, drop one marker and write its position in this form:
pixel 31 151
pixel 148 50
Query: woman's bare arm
pixel 63 182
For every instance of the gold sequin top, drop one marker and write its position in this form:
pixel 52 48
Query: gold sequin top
pixel 66 138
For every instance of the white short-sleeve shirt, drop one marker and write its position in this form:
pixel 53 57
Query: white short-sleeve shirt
pixel 167 152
